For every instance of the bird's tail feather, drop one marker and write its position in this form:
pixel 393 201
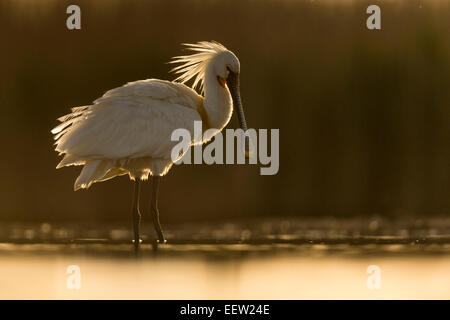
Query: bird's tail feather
pixel 93 171
pixel 70 160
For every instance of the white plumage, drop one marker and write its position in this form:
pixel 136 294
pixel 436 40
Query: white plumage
pixel 128 129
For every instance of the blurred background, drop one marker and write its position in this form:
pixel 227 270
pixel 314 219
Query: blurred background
pixel 364 116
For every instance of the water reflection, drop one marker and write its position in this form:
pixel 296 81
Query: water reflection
pixel 268 259
pixel 38 271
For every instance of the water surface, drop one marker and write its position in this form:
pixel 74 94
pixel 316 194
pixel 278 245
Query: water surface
pixel 266 260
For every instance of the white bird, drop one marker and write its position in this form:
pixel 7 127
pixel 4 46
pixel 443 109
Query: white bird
pixel 128 130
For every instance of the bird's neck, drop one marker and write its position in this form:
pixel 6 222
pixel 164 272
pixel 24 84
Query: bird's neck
pixel 217 102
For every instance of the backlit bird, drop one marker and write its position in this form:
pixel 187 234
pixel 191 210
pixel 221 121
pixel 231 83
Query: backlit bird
pixel 128 130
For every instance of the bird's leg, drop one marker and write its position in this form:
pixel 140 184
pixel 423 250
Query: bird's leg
pixel 155 211
pixel 135 212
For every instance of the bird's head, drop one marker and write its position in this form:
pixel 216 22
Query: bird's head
pixel 226 66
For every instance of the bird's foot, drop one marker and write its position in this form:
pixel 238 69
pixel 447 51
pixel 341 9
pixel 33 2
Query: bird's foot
pixel 136 243
pixel 157 242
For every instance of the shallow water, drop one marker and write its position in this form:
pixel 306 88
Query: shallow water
pixel 231 261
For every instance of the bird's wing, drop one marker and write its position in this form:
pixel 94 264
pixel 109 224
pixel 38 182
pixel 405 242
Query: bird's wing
pixel 132 121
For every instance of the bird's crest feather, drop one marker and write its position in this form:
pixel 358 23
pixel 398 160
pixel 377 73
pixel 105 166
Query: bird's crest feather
pixel 193 66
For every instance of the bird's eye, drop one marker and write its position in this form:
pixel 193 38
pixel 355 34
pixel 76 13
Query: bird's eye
pixel 228 71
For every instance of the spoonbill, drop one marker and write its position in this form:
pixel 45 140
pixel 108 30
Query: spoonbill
pixel 128 130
